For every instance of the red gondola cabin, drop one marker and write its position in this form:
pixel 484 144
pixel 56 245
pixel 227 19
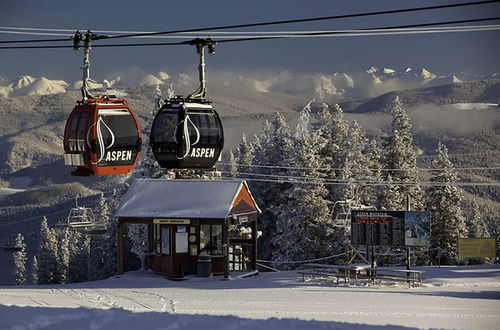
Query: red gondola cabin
pixel 102 136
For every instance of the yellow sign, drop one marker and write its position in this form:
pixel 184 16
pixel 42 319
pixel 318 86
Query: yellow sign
pixel 172 221
pixel 477 248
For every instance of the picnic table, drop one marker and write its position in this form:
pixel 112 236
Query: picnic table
pixel 411 276
pixel 338 271
pixel 355 271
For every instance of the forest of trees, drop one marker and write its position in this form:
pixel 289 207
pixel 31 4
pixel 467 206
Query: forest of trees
pixel 295 175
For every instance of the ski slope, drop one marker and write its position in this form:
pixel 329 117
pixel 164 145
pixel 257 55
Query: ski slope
pixel 451 298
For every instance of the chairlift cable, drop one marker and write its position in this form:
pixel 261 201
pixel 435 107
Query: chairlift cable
pixel 363 169
pixel 427 184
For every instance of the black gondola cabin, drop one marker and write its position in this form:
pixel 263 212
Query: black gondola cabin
pixel 187 133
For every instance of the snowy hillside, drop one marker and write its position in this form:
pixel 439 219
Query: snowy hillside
pixel 451 298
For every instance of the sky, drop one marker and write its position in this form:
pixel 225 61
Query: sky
pixel 471 52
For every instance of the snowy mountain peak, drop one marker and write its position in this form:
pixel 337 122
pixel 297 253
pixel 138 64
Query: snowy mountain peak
pixel 389 71
pixel 23 81
pixel 455 79
pixel 373 69
pixel 163 75
pixel 408 70
pixel 427 74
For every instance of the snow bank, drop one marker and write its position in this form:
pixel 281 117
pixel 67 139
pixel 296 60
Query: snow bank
pixel 451 298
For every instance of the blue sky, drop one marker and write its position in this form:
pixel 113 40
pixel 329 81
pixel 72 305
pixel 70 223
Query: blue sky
pixel 473 52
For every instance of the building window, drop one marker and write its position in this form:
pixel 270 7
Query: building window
pixel 211 239
pixel 165 240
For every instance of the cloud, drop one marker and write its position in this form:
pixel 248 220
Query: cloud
pixel 454 119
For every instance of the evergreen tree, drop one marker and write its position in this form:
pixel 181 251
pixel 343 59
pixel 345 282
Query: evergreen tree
pixel 476 226
pixel 101 247
pixel 20 261
pixel 448 221
pixel 356 166
pixel 273 149
pixel 61 271
pixel 400 158
pixel 147 166
pixel 233 167
pixel 138 234
pixel 79 256
pixel 47 253
pixel 245 154
pixel 34 271
pixel 304 226
pixel 332 130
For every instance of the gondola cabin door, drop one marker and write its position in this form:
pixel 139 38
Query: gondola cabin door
pixel 102 136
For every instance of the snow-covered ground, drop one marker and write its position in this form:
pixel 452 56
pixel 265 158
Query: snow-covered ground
pixel 452 298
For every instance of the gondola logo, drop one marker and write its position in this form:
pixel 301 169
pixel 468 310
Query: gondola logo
pixel 111 156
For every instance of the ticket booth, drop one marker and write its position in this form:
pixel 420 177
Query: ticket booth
pixel 187 218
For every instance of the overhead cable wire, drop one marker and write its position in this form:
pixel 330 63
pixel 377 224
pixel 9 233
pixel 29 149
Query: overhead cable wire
pixel 244 38
pixel 315 19
pixel 428 184
pixel 313 34
pixel 270 23
pixel 284 178
pixel 323 179
pixel 219 34
pixel 495 168
pixel 333 33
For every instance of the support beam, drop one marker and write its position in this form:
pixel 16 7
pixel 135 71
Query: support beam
pixel 254 245
pixel 119 248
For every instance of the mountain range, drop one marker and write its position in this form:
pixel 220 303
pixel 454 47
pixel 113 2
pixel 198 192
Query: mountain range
pixel 334 87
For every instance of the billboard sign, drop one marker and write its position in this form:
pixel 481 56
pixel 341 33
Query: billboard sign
pixel 390 228
pixel 477 248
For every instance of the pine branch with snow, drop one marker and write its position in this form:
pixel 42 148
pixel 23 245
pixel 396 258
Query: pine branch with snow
pixel 20 258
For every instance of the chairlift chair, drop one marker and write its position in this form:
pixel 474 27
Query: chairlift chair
pixel 80 216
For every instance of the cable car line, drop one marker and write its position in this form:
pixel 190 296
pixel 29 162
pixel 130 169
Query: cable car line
pixel 428 184
pixel 342 33
pixel 396 11
pixel 362 169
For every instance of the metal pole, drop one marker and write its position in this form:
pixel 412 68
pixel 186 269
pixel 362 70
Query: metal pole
pixel 201 68
pixel 86 69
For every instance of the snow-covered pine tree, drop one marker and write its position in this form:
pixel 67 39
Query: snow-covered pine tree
pixel 444 203
pixel 34 271
pixel 20 258
pixel 233 166
pixel 79 255
pixel 356 166
pixel 389 195
pixel 303 224
pixel 476 226
pixel 245 154
pixel 332 129
pixel 273 149
pixel 100 248
pixel 63 255
pixel 47 255
pixel 400 157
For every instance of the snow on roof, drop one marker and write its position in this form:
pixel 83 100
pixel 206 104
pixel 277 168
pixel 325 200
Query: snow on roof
pixel 150 198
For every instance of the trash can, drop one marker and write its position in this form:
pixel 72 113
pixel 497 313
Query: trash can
pixel 204 267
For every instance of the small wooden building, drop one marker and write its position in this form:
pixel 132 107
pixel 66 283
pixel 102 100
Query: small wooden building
pixel 186 218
